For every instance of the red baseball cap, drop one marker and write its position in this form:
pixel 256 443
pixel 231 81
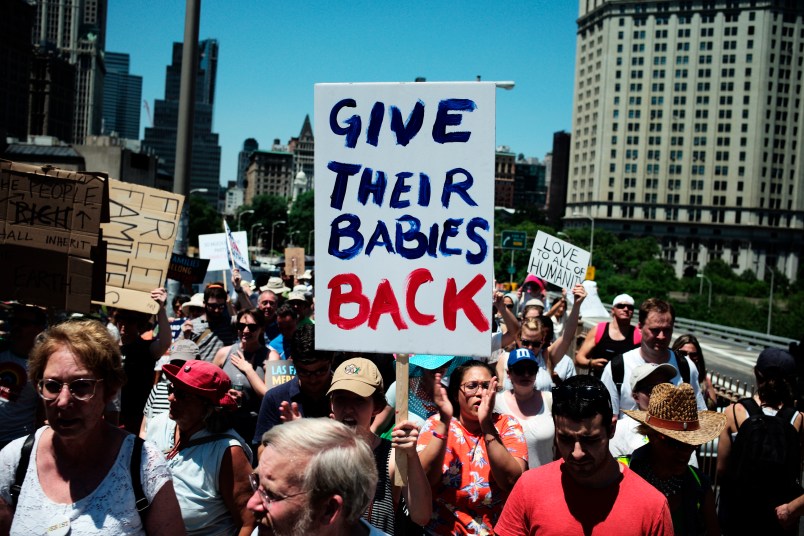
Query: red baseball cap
pixel 203 379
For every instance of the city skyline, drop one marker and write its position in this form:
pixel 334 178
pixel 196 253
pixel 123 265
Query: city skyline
pixel 266 72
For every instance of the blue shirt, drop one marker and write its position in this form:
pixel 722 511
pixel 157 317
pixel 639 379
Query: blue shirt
pixel 278 344
pixel 289 391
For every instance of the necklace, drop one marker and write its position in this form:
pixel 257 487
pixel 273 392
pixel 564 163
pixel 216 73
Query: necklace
pixel 668 486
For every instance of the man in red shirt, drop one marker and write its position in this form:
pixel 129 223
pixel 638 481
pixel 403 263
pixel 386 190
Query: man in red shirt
pixel 586 492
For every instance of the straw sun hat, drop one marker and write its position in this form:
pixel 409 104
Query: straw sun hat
pixel 672 411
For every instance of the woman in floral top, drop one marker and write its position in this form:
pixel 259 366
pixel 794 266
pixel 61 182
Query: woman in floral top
pixel 472 456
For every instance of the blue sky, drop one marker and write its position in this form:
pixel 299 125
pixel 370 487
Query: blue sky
pixel 272 53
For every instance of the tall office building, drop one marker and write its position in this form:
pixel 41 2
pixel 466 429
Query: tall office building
pixel 77 30
pixel 16 58
pixel 303 149
pixel 686 126
pixel 122 94
pixel 249 146
pixel 161 138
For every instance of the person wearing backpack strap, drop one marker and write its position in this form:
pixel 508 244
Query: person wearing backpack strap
pixel 75 476
pixel 656 320
pixel 675 428
pixel 759 452
pixel 609 339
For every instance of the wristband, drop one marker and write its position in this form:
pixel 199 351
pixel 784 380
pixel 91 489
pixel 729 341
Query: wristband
pixel 436 435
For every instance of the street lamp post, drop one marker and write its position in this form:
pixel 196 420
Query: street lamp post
pixel 709 281
pixel 273 227
pixel 199 191
pixel 290 236
pixel 592 237
pixel 309 237
pixel 239 216
pixel 256 225
pixel 770 301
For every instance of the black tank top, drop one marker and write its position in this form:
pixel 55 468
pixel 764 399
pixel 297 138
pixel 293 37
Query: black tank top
pixel 607 348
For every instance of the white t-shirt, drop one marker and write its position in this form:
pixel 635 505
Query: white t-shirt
pixel 109 509
pixel 633 359
pixel 539 429
pixel 626 440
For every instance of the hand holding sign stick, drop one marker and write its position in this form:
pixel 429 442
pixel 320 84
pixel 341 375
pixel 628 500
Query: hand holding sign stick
pixel 402 383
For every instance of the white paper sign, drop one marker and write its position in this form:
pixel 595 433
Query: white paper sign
pixel 558 262
pixel 404 215
pixel 213 247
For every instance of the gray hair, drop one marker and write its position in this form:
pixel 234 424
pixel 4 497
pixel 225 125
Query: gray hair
pixel 340 462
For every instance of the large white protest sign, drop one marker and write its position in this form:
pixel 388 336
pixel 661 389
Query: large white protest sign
pixel 558 262
pixel 213 247
pixel 404 212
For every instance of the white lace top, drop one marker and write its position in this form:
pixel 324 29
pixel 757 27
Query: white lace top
pixel 109 509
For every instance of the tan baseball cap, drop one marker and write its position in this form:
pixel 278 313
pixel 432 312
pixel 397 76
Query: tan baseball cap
pixel 357 375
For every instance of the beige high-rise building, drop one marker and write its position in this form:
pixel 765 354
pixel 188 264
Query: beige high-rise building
pixel 687 126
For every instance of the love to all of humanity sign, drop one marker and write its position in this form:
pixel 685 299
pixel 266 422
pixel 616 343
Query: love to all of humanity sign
pixel 404 214
pixel 557 261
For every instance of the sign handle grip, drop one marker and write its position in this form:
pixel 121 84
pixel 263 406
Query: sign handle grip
pixel 402 386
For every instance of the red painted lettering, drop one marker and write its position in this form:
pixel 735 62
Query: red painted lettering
pixel 416 279
pixel 455 300
pixel 385 303
pixel 354 295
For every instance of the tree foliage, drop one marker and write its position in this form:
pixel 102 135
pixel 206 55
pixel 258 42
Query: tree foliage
pixel 301 221
pixel 268 209
pixel 203 219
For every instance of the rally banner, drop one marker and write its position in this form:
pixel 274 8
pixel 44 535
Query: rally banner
pixel 188 270
pixel 404 214
pixel 213 247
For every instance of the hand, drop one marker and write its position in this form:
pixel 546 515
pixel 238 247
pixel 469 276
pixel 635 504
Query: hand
pixel 289 411
pixel 598 364
pixel 159 295
pixel 237 395
pixel 499 300
pixel 783 515
pixel 236 278
pixel 404 437
pixel 441 400
pixel 564 293
pixel 579 293
pixel 241 363
pixel 486 408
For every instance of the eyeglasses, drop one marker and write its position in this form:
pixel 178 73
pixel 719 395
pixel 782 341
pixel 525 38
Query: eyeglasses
pixel 624 306
pixel 81 389
pixel 241 326
pixel 595 392
pixel 472 387
pixel 691 355
pixel 317 372
pixel 525 343
pixel 268 499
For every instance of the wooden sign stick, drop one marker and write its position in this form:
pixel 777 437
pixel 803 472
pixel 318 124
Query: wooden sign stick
pixel 402 387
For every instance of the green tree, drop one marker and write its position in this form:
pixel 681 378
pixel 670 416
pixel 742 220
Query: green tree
pixel 203 219
pixel 268 209
pixel 301 220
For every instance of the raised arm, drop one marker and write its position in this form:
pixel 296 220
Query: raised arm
pixel 163 339
pixel 418 493
pixel 559 348
pixel 432 456
pixel 504 467
pixel 510 320
pixel 242 296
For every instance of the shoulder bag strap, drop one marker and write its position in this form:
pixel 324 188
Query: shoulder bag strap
pixel 136 481
pixel 22 468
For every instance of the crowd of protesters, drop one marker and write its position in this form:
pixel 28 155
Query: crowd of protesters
pixel 173 425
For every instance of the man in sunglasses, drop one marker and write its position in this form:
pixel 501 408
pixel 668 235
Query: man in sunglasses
pixel 586 491
pixel 18 400
pixel 656 320
pixel 306 394
pixel 609 339
pixel 213 330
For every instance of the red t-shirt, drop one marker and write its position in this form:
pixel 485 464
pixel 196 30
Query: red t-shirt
pixel 546 502
pixel 467 500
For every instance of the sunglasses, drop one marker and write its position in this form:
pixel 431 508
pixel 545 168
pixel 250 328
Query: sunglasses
pixel 241 326
pixel 308 373
pixel 591 393
pixel 524 370
pixel 178 394
pixel 215 306
pixel 81 389
pixel 525 343
pixel 509 305
pixel 624 306
pixel 691 355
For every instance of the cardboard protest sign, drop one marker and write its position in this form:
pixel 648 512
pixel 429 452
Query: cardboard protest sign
pixel 294 261
pixel 49 234
pixel 404 201
pixel 139 236
pixel 557 261
pixel 189 270
pixel 278 372
pixel 213 247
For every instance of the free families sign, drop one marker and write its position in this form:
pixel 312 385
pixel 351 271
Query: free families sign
pixel 558 262
pixel 404 212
